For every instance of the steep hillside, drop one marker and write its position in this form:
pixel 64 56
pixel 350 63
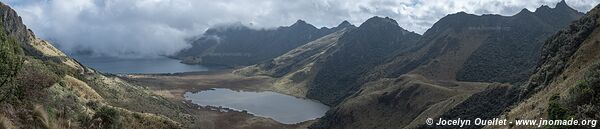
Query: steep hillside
pixel 565 84
pixel 403 102
pixel 510 56
pixel 359 51
pixel 45 89
pixel 456 51
pixel 294 70
pixel 487 48
pixel 331 68
pixel 240 45
pixel 42 88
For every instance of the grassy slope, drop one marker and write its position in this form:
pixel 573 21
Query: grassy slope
pixel 52 90
pixel 60 93
pixel 398 102
pixel 295 69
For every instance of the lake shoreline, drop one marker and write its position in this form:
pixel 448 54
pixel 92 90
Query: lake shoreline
pixel 197 81
pixel 280 107
pixel 173 86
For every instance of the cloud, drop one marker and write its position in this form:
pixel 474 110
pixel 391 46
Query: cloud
pixel 146 28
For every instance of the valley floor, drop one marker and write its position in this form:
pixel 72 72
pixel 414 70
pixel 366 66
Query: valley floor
pixel 174 86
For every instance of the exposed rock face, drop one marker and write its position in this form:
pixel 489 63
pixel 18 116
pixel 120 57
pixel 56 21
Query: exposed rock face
pixel 14 27
pixel 239 45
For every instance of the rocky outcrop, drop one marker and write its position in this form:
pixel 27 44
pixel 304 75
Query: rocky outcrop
pixel 13 25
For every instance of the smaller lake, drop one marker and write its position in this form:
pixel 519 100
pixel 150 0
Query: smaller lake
pixel 141 66
pixel 282 108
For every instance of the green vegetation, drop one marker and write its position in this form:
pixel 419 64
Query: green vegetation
pixel 587 91
pixel 360 50
pixel 42 92
pixel 109 118
pixel 556 111
pixel 10 64
pixel 582 102
pixel 584 99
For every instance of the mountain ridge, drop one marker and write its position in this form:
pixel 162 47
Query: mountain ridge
pixel 454 48
pixel 242 45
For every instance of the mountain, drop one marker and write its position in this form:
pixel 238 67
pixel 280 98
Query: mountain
pixel 565 83
pixel 562 86
pixel 330 68
pixel 295 69
pixel 42 88
pixel 487 48
pixel 457 62
pixel 239 45
pixel 359 50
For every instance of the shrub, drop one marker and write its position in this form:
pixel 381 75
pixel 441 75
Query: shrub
pixel 582 102
pixel 109 117
pixel 10 63
pixel 33 77
pixel 587 91
pixel 556 111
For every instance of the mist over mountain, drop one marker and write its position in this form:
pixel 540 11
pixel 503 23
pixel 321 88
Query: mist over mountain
pixel 405 63
pixel 152 28
pixel 239 45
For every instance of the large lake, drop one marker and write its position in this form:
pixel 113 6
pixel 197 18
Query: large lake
pixel 282 108
pixel 143 66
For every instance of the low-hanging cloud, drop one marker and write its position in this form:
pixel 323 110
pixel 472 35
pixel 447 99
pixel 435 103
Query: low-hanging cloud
pixel 148 28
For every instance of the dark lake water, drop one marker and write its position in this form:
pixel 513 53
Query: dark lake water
pixel 282 108
pixel 144 66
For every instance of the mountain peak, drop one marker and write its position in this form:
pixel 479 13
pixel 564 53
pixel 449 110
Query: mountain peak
pixel 543 8
pixel 562 4
pixel 379 21
pixel 302 24
pixel 344 24
pixel 300 21
pixel 525 10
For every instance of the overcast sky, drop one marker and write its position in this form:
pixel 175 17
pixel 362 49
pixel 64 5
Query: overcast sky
pixel 143 28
